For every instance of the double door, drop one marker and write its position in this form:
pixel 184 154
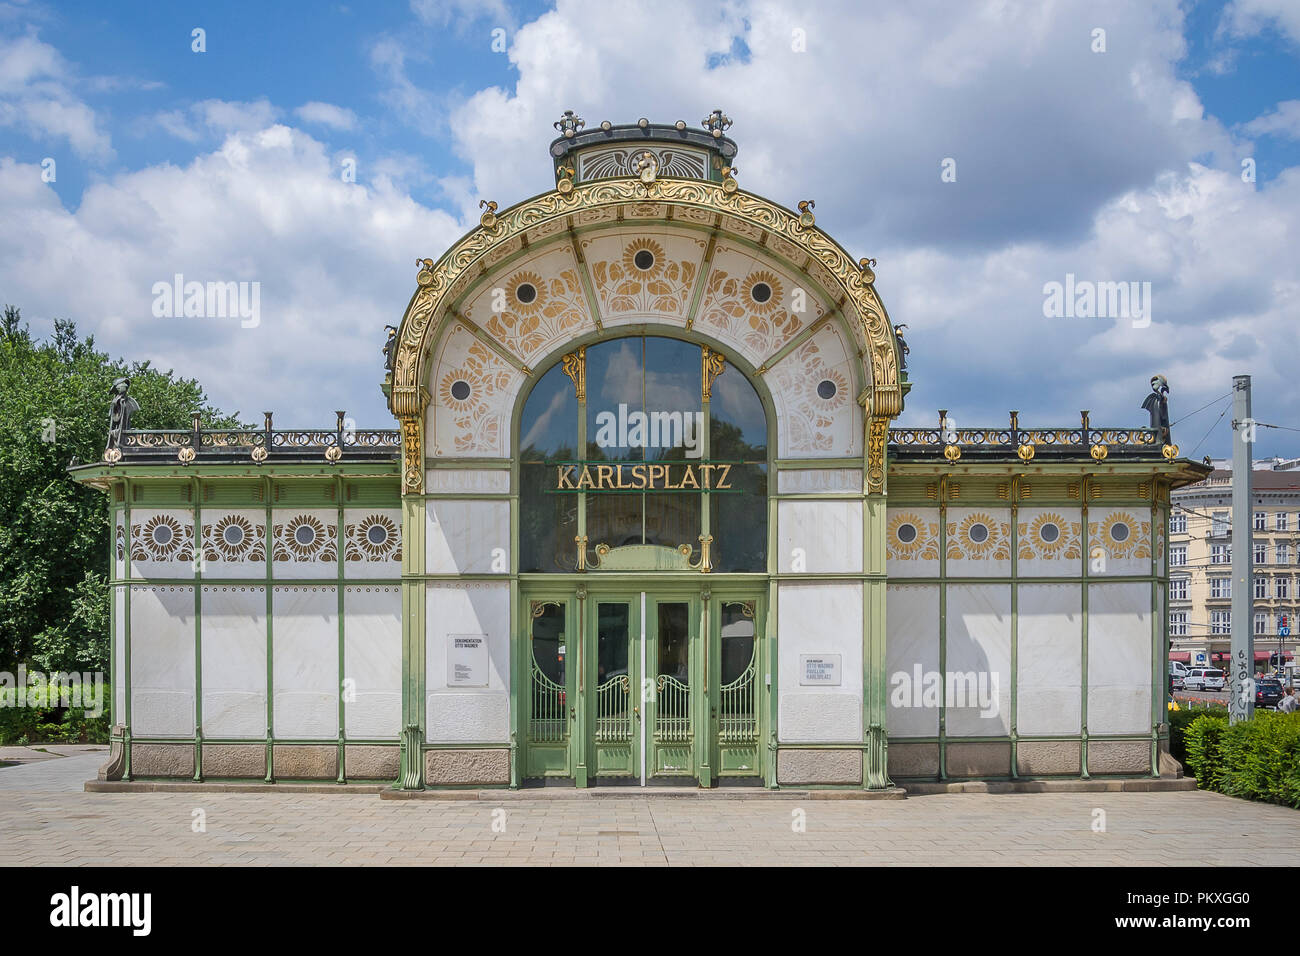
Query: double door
pixel 644 687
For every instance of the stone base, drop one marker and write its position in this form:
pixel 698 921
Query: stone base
pixel 116 756
pixel 794 767
pixel 372 762
pixel 1042 758
pixel 978 759
pixel 913 760
pixel 305 761
pixel 237 761
pixel 162 760
pixel 466 767
pixel 1119 756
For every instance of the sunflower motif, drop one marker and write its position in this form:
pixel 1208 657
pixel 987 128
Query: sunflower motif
pixel 456 391
pixel 760 300
pixel 980 535
pixel 837 397
pixel 907 536
pixel 1047 533
pixel 1118 534
pixel 538 294
pixel 654 263
pixel 163 535
pixel 376 537
pixel 232 539
pixel 304 536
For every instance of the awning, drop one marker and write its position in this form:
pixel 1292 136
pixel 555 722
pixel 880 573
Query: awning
pixel 1183 657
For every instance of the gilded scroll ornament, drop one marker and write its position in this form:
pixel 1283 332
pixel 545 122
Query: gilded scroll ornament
pixel 712 365
pixel 575 366
pixel 877 440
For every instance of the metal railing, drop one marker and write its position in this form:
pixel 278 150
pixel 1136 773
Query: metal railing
pixel 258 444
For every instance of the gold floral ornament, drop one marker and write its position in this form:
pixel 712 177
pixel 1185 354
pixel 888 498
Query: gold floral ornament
pixel 304 538
pixel 374 538
pixel 1122 535
pixel 910 538
pixel 233 538
pixel 1049 536
pixel 978 536
pixel 162 538
pixel 643 280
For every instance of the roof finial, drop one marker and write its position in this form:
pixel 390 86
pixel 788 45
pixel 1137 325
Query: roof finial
pixel 716 123
pixel 569 124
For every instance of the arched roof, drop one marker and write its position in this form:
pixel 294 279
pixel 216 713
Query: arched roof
pixel 846 286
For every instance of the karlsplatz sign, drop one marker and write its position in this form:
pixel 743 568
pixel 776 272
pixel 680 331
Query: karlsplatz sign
pixel 644 476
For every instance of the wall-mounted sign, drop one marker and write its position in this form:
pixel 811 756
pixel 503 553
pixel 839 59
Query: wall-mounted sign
pixel 467 660
pixel 633 476
pixel 819 669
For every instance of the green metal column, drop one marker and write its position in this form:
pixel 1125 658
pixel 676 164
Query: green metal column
pixel 875 702
pixel 413 642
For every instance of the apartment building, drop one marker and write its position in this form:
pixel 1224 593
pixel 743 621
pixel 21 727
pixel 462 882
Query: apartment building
pixel 1200 565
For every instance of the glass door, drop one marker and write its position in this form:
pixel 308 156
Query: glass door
pixel 672 691
pixel 550 697
pixel 737 687
pixel 613 682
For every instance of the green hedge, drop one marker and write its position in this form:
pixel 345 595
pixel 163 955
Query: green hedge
pixel 48 725
pixel 1258 759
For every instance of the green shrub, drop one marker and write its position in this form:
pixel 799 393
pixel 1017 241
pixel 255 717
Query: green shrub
pixel 1257 759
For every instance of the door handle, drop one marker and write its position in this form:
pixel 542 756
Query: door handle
pixel 637 711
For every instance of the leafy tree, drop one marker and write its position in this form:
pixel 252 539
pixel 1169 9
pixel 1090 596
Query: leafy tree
pixel 54 532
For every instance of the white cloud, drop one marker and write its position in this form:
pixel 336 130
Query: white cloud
pixel 37 97
pixel 327 114
pixel 1283 122
pixel 213 119
pixel 1245 18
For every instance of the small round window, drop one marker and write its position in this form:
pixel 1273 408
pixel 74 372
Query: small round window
pixel 460 390
pixel 305 534
pixel 377 534
pixel 1119 531
pixel 826 389
pixel 979 533
pixel 526 292
pixel 233 535
pixel 761 292
pixel 644 259
pixel 907 533
pixel 1049 532
pixel 162 535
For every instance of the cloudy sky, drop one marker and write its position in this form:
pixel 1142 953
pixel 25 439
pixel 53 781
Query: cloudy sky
pixel 979 151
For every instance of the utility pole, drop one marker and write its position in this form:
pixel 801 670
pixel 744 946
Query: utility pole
pixel 1241 669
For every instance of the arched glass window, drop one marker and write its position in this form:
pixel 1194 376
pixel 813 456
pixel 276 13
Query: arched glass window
pixel 659 465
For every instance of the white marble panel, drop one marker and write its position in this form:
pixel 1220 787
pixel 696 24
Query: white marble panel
pixel 305 661
pixel 234 542
pixel 813 481
pixel 162 543
pixel 979 542
pixel 819 536
pixel 1049 668
pixel 821 618
pixel 305 543
pixel 1049 542
pixel 464 714
pixel 628 294
pixel 978 660
pixel 372 542
pixel 912 542
pixel 1120 658
pixel 162 661
pixel 234 661
pixel 467 537
pixel 468 481
pixel 120 715
pixel 372 661
pixel 911 658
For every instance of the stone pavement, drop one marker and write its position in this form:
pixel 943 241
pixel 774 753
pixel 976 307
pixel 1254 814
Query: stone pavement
pixel 46 819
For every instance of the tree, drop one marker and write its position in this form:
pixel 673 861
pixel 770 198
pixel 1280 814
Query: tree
pixel 54 533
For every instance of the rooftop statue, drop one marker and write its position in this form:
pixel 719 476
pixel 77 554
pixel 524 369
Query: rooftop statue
pixel 120 412
pixel 1157 404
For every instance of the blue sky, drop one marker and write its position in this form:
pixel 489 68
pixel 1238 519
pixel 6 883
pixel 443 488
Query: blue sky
pixel 1117 165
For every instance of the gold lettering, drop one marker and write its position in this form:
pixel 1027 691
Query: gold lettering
pixel 618 470
pixel 564 477
pixel 638 473
pixel 584 480
pixel 604 476
pixel 722 482
pixel 658 471
pixel 689 479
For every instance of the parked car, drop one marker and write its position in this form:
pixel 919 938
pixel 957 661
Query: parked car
pixel 1268 692
pixel 1177 673
pixel 1204 678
